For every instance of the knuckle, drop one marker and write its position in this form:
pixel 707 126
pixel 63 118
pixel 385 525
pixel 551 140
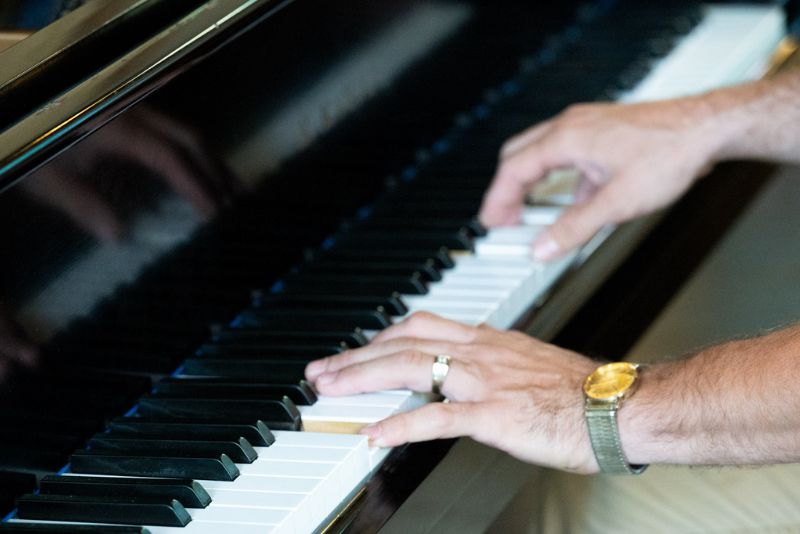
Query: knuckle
pixel 413 357
pixel 341 360
pixel 396 344
pixel 397 426
pixel 417 320
pixel 442 417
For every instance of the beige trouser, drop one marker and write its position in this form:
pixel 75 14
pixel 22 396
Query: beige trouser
pixel 663 499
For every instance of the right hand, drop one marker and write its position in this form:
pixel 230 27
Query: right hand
pixel 633 158
pixel 506 389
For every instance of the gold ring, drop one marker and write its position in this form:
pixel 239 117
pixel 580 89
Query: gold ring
pixel 439 370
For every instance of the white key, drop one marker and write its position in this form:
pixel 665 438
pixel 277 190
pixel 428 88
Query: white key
pixel 541 215
pixel 470 317
pixel 513 241
pixel 477 281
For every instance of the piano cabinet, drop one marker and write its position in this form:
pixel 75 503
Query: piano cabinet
pixel 228 189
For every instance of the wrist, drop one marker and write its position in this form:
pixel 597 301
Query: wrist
pixel 730 118
pixel 652 422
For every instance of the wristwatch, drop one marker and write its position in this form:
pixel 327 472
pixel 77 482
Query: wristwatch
pixel 604 392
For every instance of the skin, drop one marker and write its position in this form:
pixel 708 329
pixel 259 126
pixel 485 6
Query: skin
pixel 647 156
pixel 729 404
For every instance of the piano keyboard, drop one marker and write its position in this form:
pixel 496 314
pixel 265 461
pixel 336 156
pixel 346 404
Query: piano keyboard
pixel 217 447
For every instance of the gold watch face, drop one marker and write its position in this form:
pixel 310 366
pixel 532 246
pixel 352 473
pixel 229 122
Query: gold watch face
pixel 610 381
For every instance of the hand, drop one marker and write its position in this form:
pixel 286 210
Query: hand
pixel 506 389
pixel 633 159
pixel 14 348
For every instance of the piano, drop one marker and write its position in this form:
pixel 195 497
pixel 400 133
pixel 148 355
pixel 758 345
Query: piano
pixel 199 197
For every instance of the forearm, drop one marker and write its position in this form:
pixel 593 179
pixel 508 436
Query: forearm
pixel 760 120
pixel 735 403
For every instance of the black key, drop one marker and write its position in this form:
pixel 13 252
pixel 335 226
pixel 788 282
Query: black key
pixel 392 304
pixel 257 335
pixel 188 492
pixel 19 527
pixel 162 512
pixel 429 208
pixel 440 255
pixel 12 485
pixel 256 433
pixel 354 285
pixel 470 225
pixel 314 319
pixel 267 410
pixel 412 239
pixel 264 350
pixel 427 271
pixel 272 371
pixel 39 439
pixel 254 354
pixel 239 450
pixel 433 190
pixel 179 466
pixel 301 394
pixel 27 459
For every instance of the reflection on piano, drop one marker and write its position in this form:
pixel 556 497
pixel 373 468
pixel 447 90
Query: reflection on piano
pixel 345 152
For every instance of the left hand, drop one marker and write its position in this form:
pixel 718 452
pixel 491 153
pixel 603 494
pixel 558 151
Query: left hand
pixel 506 389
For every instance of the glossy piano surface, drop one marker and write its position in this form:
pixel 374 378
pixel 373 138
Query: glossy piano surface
pixel 136 232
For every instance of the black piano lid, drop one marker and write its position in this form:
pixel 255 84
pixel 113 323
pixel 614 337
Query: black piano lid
pixel 65 51
pixel 232 118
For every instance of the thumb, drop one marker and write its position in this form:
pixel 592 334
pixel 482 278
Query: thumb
pixel 503 202
pixel 576 225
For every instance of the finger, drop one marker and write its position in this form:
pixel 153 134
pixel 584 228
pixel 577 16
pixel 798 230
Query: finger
pixel 406 370
pixel 432 421
pixel 430 326
pixel 577 225
pixel 376 350
pixel 585 190
pixel 411 369
pixel 520 141
pixel 503 202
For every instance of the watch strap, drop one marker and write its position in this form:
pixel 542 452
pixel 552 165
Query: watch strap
pixel 604 436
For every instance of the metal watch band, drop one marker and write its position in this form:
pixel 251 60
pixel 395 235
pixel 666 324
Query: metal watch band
pixel 604 436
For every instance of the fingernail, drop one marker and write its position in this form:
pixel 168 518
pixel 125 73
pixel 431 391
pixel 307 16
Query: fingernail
pixel 326 379
pixel 545 248
pixel 373 432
